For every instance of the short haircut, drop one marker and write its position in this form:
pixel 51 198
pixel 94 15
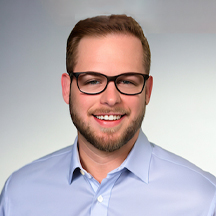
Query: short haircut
pixel 102 26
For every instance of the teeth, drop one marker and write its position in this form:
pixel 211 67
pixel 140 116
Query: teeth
pixel 110 117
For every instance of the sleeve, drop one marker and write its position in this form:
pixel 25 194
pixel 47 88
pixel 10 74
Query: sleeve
pixel 2 203
pixel 3 200
pixel 212 211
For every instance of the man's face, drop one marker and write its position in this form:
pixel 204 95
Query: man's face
pixel 111 55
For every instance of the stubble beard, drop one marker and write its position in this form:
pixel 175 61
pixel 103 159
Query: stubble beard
pixel 108 142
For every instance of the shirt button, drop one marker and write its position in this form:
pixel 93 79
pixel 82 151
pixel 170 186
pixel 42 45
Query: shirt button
pixel 82 172
pixel 100 199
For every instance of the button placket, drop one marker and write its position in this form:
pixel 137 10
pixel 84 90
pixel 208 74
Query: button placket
pixel 102 194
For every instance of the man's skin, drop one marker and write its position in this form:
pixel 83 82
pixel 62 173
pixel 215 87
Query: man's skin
pixel 111 55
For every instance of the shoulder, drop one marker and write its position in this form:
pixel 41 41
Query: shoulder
pixel 41 169
pixel 182 167
pixel 186 180
pixel 40 176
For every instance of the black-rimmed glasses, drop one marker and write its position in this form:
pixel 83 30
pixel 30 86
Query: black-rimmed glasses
pixel 95 83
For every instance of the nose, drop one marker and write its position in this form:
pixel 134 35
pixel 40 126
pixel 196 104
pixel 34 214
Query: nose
pixel 111 96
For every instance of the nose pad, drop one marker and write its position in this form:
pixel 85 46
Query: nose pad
pixel 111 96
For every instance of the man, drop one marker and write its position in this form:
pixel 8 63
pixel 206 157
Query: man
pixel 111 169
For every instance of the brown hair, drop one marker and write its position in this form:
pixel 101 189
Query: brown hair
pixel 101 26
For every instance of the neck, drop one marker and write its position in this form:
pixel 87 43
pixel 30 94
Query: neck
pixel 99 163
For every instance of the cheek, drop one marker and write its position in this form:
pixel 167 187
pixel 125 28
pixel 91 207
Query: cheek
pixel 82 103
pixel 135 103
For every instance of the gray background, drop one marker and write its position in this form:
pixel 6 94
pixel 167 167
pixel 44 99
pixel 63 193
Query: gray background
pixel 34 120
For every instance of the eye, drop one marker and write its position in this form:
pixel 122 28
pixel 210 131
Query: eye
pixel 130 80
pixel 127 82
pixel 92 82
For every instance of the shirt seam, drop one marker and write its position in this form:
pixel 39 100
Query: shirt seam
pixel 6 201
pixel 49 157
pixel 212 209
pixel 186 167
pixel 45 158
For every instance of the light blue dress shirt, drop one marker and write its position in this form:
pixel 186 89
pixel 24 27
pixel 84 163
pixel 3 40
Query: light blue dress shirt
pixel 150 182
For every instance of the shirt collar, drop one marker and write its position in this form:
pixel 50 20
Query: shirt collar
pixel 75 161
pixel 137 162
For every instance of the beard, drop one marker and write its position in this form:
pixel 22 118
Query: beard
pixel 107 142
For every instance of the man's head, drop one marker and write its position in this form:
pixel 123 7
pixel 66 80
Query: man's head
pixel 102 26
pixel 109 119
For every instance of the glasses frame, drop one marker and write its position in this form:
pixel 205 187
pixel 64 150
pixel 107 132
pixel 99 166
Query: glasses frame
pixel 109 79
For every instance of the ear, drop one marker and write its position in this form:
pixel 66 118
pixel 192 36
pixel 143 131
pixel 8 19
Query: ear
pixel 65 83
pixel 148 91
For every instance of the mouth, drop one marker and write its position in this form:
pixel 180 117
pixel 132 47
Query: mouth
pixel 109 117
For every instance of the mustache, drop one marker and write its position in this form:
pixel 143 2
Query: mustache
pixel 116 110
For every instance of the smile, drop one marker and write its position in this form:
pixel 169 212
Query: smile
pixel 109 117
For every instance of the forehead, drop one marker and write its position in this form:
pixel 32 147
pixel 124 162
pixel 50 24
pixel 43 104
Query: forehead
pixel 120 52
